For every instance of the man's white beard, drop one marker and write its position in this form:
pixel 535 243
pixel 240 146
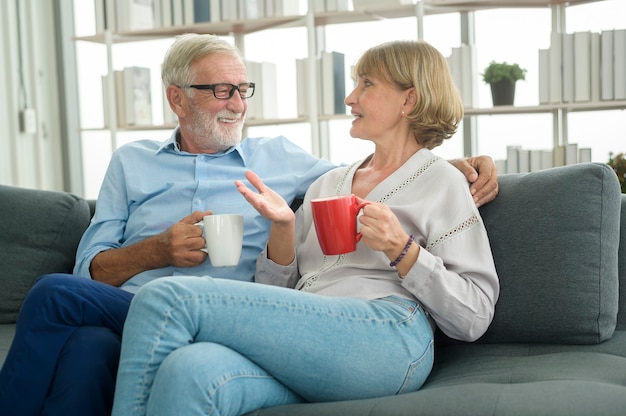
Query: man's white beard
pixel 215 135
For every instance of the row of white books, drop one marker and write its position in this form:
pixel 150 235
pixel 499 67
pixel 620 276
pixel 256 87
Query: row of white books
pixel 462 64
pixel 134 105
pixel 131 15
pixel 263 105
pixel 132 97
pixel 377 4
pixel 520 160
pixel 583 67
pixel 331 84
pixel 133 101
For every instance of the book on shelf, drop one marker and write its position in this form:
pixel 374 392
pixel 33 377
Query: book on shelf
pixel 188 11
pixel 100 15
pixel 166 13
pixel 337 5
pixel 205 11
pixel 619 64
pixel 263 104
pixel 201 11
pixel 229 10
pixel 269 9
pixel 379 4
pixel 536 156
pixel 558 156
pixel 555 68
pixel 135 15
pixel 158 14
pixel 547 159
pixel 333 83
pixel 606 64
pixel 108 17
pixel 500 165
pixel 596 74
pixel 571 153
pixel 468 60
pixel 169 116
pixel 177 13
pixel 566 154
pixel 137 96
pixel 302 77
pixel 523 160
pixel 254 105
pixel 319 6
pixel 544 76
pixel 567 65
pixel 512 159
pixel 582 66
pixel 584 155
pixel 286 8
pixel 120 101
pixel 269 90
pixel 455 63
pixel 251 9
pixel 106 101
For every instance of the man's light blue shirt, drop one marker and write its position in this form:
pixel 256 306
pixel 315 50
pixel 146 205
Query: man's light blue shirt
pixel 150 185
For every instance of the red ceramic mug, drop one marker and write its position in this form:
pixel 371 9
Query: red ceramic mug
pixel 335 223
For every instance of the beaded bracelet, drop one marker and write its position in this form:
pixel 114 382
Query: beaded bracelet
pixel 406 249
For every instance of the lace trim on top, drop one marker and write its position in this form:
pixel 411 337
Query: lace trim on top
pixel 341 258
pixel 459 228
pixel 411 178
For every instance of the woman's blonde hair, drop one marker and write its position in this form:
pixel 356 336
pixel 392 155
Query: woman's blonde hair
pixel 405 64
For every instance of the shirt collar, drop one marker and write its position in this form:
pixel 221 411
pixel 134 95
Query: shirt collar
pixel 172 144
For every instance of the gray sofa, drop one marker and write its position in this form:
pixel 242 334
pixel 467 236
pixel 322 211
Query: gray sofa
pixel 557 345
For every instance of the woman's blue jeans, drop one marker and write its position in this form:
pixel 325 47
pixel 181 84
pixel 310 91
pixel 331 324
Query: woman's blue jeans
pixel 197 346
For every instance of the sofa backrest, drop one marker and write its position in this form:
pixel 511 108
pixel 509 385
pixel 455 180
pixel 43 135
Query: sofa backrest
pixel 39 234
pixel 555 235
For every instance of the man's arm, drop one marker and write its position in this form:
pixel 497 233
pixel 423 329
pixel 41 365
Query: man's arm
pixel 178 246
pixel 482 173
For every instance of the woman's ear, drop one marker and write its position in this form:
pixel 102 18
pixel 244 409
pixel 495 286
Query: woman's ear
pixel 411 97
pixel 410 100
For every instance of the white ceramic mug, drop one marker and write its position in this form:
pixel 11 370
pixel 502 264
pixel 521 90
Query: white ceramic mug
pixel 224 238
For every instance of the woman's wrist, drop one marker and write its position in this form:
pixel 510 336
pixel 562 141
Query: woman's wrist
pixel 405 250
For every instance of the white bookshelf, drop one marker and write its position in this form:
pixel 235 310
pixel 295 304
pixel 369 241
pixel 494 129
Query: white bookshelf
pixel 314 21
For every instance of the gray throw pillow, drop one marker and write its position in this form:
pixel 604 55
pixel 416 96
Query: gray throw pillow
pixel 554 235
pixel 39 234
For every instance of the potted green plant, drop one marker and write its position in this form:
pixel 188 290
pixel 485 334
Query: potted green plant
pixel 502 76
pixel 618 163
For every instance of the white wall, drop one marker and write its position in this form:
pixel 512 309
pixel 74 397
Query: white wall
pixel 29 77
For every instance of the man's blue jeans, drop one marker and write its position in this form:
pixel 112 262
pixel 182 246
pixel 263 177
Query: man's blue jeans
pixel 197 346
pixel 64 357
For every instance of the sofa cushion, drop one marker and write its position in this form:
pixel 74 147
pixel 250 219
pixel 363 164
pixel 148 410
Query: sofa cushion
pixel 554 235
pixel 39 234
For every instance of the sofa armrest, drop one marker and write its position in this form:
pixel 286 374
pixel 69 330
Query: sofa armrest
pixel 39 234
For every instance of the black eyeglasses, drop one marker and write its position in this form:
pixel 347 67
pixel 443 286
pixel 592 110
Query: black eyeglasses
pixel 225 91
